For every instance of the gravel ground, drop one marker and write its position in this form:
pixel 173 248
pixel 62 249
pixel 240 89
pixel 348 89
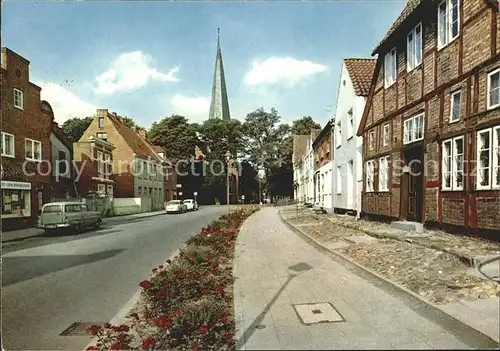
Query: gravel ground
pixel 436 275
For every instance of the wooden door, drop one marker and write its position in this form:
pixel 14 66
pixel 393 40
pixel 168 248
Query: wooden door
pixel 412 186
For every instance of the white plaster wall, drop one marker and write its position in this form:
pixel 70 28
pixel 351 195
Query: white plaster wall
pixel 325 172
pixel 351 148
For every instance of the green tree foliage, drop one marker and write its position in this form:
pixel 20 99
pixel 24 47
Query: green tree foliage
pixel 304 125
pixel 75 127
pixel 176 135
pixel 129 122
pixel 218 136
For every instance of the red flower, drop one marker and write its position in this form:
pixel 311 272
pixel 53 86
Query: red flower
pixel 223 320
pixel 107 325
pixel 214 264
pixel 160 292
pixel 134 315
pixel 195 347
pixel 93 329
pixel 220 289
pixel 154 270
pixel 93 347
pixel 123 328
pixel 203 330
pixel 145 284
pixel 116 346
pixel 208 257
pixel 146 343
pixel 177 314
pixel 163 322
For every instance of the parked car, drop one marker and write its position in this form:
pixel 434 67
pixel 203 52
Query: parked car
pixel 57 216
pixel 175 206
pixel 191 205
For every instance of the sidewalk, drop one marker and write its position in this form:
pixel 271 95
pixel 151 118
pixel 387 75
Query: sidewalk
pixel 276 269
pixel 31 232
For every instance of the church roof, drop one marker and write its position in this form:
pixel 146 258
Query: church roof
pixel 219 106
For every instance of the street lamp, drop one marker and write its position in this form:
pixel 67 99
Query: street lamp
pixel 228 158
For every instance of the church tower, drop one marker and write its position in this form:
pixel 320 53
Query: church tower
pixel 219 106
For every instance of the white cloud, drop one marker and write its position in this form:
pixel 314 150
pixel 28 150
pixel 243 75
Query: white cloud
pixel 195 109
pixel 131 70
pixel 64 103
pixel 277 70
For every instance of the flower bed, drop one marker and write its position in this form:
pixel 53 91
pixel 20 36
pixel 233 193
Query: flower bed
pixel 187 304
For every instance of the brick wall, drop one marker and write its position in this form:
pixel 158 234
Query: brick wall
pixel 475 46
pixel 453 210
pixel 488 212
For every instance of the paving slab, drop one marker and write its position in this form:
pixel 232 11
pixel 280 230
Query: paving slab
pixel 297 272
pixel 360 239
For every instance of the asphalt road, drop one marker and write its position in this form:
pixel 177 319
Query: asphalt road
pixel 48 283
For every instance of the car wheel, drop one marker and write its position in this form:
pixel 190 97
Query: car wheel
pixel 98 224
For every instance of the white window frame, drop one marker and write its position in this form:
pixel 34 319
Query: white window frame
pixel 488 94
pixel 390 68
pixel 453 164
pixel 448 25
pixel 386 134
pixel 101 189
pixel 12 146
pixel 383 174
pixel 33 143
pixel 452 104
pixel 338 134
pixel 412 59
pixel 410 135
pixel 18 99
pixel 493 165
pixel 101 126
pixel 370 175
pixel 339 180
pixel 371 140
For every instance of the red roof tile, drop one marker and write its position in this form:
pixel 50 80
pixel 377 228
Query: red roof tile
pixel 138 145
pixel 361 73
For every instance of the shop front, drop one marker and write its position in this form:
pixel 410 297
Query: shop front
pixel 16 204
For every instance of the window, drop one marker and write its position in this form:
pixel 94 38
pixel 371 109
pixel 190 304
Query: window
pixel 414 47
pixel 390 68
pixel 455 106
pixel 18 99
pixel 350 126
pixel 448 25
pixel 101 189
pixel 494 89
pixel 7 142
pixel 109 190
pixel 33 149
pixel 383 174
pixel 488 158
pixel 371 140
pixel 139 191
pixel 16 203
pixel 339 180
pixel 61 165
pixel 370 176
pixel 108 165
pixel 103 136
pixel 453 164
pixel 338 134
pixel 101 122
pixel 386 134
pixel 414 129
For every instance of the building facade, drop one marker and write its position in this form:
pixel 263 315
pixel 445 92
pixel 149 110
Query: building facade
pixel 94 167
pixel 137 169
pixel 323 162
pixel 25 144
pixel 355 80
pixel 431 126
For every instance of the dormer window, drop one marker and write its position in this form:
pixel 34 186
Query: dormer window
pixel 390 68
pixel 448 22
pixel 414 47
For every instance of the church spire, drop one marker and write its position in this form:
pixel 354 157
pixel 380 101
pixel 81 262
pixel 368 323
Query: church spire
pixel 219 106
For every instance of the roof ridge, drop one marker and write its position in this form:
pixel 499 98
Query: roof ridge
pixel 360 58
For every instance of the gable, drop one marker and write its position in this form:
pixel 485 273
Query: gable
pixel 377 83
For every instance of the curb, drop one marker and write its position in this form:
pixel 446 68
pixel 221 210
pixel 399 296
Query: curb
pixel 124 312
pixel 323 248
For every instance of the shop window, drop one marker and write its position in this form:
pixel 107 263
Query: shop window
pixel 16 203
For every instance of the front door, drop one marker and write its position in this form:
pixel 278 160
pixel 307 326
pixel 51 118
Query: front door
pixel 412 187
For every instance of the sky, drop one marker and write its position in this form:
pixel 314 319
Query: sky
pixel 151 59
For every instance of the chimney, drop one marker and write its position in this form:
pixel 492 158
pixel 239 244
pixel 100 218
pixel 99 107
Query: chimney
pixel 102 112
pixel 142 133
pixel 114 114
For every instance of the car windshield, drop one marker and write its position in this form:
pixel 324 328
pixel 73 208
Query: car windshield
pixel 188 201
pixel 175 202
pixel 52 209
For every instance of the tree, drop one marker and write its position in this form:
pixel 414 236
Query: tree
pixel 304 125
pixel 75 127
pixel 176 135
pixel 217 136
pixel 129 122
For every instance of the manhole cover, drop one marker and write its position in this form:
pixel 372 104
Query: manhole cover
pixel 79 329
pixel 321 312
